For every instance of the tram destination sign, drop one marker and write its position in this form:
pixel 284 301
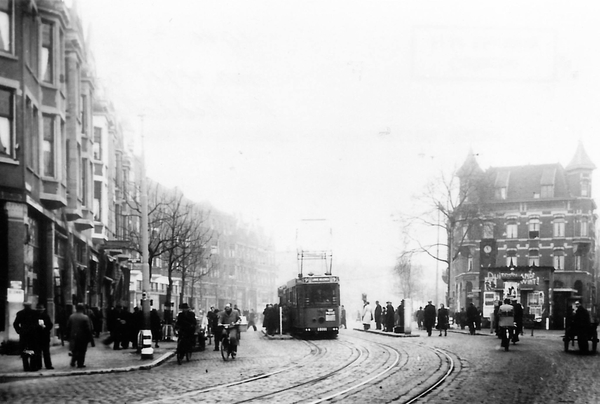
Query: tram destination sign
pixel 321 279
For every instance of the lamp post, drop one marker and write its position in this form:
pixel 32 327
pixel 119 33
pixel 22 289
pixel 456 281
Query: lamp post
pixel 146 334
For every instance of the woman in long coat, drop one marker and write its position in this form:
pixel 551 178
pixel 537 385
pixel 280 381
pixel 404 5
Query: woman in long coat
pixel 367 316
pixel 443 320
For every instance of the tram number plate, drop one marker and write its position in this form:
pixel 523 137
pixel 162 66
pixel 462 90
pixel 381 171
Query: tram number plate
pixel 330 315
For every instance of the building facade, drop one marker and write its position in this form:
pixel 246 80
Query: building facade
pixel 533 239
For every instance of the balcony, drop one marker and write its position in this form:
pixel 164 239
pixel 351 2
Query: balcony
pixel 54 194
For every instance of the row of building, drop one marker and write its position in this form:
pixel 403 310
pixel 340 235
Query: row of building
pixel 67 176
pixel 526 232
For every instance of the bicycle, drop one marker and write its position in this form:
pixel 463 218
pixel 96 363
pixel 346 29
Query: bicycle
pixel 185 343
pixel 227 350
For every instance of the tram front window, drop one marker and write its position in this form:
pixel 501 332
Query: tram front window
pixel 321 294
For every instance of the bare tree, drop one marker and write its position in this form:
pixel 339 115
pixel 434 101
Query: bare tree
pixel 452 205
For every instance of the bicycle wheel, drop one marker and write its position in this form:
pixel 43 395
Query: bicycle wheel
pixel 224 350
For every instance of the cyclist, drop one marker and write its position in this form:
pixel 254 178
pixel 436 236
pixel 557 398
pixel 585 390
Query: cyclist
pixel 186 326
pixel 506 321
pixel 230 317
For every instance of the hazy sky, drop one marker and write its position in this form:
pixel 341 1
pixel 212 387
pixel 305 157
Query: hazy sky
pixel 286 110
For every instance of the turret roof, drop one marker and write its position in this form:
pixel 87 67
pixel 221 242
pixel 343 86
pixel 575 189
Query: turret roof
pixel 581 160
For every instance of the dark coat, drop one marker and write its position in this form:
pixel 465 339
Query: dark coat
pixel 378 311
pixel 472 313
pixel 79 332
pixel 28 327
pixel 48 324
pixel 443 319
pixel 429 315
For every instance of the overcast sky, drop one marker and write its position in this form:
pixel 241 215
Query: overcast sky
pixel 286 110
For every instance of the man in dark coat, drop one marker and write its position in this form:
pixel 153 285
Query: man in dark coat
pixel 215 329
pixel 155 326
pixel 378 311
pixel 518 312
pixel 46 325
pixel 80 335
pixel 443 320
pixel 389 317
pixel 429 314
pixel 472 318
pixel 28 327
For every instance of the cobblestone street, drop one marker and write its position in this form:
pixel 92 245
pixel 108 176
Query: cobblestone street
pixel 535 370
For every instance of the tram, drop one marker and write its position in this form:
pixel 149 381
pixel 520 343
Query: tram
pixel 312 304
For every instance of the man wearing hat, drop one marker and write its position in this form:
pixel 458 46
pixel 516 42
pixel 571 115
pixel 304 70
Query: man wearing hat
pixel 28 327
pixel 429 315
pixel 46 324
pixel 186 324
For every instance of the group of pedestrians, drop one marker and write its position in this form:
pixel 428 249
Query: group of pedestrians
pixel 471 318
pixel 34 329
pixel 430 315
pixel 386 318
pixel 124 326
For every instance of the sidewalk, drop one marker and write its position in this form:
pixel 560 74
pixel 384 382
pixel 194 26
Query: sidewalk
pixel 101 359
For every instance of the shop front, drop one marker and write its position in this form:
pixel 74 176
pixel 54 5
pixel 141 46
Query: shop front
pixel 530 286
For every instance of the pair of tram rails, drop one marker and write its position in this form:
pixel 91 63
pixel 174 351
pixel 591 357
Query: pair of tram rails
pixel 312 305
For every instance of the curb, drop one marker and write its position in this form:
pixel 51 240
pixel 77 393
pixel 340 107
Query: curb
pixel 16 376
pixel 389 334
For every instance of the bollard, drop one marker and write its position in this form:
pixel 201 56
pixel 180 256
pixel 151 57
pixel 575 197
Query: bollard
pixel 147 351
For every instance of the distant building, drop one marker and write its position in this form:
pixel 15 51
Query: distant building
pixel 534 238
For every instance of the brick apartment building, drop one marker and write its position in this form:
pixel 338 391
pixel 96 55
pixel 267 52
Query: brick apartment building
pixel 533 239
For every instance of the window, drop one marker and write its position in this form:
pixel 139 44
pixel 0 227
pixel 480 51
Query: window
pixel 6 122
pixel 500 193
pixel 488 230
pixel 470 263
pixel 97 201
pixel 32 136
pixel 534 228
pixel 559 261
pixel 48 146
pixel 585 185
pixel 547 191
pixel 559 227
pixel 511 259
pixel 6 26
pixel 47 71
pixel 511 230
pixel 534 258
pixel 97 143
pixel 583 227
pixel 578 262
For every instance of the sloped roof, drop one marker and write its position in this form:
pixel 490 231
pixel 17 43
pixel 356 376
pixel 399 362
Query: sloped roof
pixel 522 182
pixel 581 160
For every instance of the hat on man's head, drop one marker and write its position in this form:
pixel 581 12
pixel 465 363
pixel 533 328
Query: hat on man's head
pixel 27 303
pixel 429 301
pixel 184 306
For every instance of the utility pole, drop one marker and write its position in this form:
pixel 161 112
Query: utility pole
pixel 147 350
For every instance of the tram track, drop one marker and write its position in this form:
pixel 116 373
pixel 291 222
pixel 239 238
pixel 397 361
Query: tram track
pixel 342 370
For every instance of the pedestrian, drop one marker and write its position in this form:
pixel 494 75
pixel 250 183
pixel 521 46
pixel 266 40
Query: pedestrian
pixel 215 328
pixel 443 320
pixel 518 312
pixel 80 335
pixel 343 320
pixel 472 315
pixel 155 327
pixel 420 318
pixel 119 328
pixel 378 315
pixel 28 327
pixel 367 316
pixel 389 317
pixel 462 317
pixel 46 324
pixel 252 319
pixel 429 317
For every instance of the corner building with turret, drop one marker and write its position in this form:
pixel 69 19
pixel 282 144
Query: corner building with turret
pixel 533 239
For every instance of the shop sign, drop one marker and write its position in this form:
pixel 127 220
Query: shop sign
pixel 15 295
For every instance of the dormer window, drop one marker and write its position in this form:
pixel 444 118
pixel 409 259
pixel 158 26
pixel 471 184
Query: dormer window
pixel 547 191
pixel 500 193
